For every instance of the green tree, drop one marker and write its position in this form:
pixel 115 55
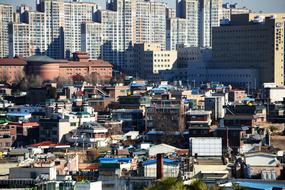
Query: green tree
pixel 197 185
pixel 167 184
pixel 237 187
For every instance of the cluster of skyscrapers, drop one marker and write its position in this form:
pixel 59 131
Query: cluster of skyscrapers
pixel 59 28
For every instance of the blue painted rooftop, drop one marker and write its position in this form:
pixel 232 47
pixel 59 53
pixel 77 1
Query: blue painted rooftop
pixel 137 85
pixel 261 186
pixel 114 160
pixel 165 161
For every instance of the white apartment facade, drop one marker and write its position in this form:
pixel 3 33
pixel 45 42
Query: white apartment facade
pixel 176 33
pixel 75 13
pixel 6 16
pixel 91 39
pixel 19 39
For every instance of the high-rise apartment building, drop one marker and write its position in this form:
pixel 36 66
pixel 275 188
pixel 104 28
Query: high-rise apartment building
pixel 210 14
pixel 37 32
pixel 158 23
pixel 176 33
pixel 189 10
pixel 109 48
pixel 19 39
pixel 6 16
pixel 251 41
pixel 201 16
pixel 91 39
pixel 54 22
pixel 125 15
pixel 170 12
pixel 75 13
pixel 143 22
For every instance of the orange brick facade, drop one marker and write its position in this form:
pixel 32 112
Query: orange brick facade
pixel 50 69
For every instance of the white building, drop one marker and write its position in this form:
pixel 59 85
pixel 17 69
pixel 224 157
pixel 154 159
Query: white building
pixel 201 16
pixel 75 13
pixel 91 39
pixel 6 16
pixel 189 9
pixel 19 39
pixel 109 49
pixel 158 23
pixel 143 22
pixel 37 32
pixel 210 14
pixel 54 22
pixel 205 146
pixel 161 149
pixel 176 33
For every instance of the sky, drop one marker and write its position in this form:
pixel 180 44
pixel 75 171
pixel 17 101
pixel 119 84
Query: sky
pixel 254 5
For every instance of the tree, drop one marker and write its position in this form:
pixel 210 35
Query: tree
pixel 5 77
pixel 167 184
pixel 93 78
pixel 237 187
pixel 19 75
pixel 34 81
pixel 62 81
pixel 197 185
pixel 78 78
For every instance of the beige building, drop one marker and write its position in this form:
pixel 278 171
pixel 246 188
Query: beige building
pixel 251 41
pixel 148 60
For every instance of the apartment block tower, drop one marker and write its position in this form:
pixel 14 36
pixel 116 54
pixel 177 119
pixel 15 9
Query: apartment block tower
pixel 158 23
pixel 251 41
pixel 210 14
pixel 19 39
pixel 201 16
pixel 6 16
pixel 176 33
pixel 189 10
pixel 37 32
pixel 109 47
pixel 76 13
pixel 91 39
pixel 54 22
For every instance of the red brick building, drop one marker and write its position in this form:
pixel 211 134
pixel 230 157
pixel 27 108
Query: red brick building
pixel 12 69
pixel 50 69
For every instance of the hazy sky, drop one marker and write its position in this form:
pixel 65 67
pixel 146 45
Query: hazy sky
pixel 255 5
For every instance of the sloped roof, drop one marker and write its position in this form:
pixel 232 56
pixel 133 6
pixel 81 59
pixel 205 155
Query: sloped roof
pixel 43 58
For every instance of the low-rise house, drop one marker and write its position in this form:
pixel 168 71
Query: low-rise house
pixel 262 165
pixel 42 170
pixel 132 119
pixel 54 129
pixel 236 95
pixel 170 168
pixel 90 134
pixel 198 123
pixel 162 149
pixel 209 169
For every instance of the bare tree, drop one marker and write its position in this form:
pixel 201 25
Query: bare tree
pixel 62 81
pixel 19 75
pixel 93 78
pixel 6 77
pixel 34 81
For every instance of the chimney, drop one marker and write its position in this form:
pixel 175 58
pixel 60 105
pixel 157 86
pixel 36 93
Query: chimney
pixel 159 166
